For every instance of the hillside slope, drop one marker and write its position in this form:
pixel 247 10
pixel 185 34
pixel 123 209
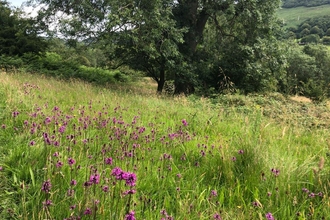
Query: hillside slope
pixel 309 3
pixel 292 17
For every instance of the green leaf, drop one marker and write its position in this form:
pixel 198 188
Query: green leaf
pixel 32 176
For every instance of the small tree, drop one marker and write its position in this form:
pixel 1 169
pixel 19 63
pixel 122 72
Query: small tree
pixel 316 30
pixel 326 40
pixel 18 35
pixel 328 32
pixel 312 38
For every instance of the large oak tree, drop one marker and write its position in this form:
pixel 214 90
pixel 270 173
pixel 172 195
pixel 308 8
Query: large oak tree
pixel 167 38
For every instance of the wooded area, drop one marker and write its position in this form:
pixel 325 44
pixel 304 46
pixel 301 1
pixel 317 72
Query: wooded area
pixel 218 47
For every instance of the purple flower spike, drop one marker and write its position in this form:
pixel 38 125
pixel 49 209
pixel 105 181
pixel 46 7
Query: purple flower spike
pixel 214 193
pixel 88 211
pixel 130 216
pixel 275 172
pixel 217 216
pixel 59 164
pixel 256 204
pixel 15 114
pixel 117 172
pixel 47 120
pixel 108 161
pixel 95 178
pixel 269 216
pixel 71 161
pixel 62 129
pixel 47 203
pixel 305 190
pixel 184 122
pixel 46 186
pixel 130 191
pixel 73 182
pixel 130 179
pixel 105 188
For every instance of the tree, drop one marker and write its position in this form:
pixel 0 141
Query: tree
pixel 304 32
pixel 326 40
pixel 316 30
pixel 312 38
pixel 165 38
pixel 18 35
pixel 328 32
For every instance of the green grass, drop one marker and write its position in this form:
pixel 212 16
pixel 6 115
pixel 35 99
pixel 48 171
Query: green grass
pixel 292 17
pixel 219 163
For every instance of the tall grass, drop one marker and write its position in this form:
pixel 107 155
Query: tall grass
pixel 70 150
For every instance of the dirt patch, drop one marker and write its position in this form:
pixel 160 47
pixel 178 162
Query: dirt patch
pixel 301 99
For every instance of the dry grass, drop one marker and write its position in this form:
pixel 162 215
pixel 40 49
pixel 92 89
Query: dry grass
pixel 301 99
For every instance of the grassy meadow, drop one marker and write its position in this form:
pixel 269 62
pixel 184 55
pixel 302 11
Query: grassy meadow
pixel 71 150
pixel 292 17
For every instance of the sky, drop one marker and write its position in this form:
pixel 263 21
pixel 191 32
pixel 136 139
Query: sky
pixel 16 3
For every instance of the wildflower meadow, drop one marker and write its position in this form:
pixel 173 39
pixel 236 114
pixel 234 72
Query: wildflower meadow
pixel 71 150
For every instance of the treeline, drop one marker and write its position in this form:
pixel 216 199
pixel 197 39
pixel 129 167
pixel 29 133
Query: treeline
pixel 22 46
pixel 306 3
pixel 313 30
pixel 242 54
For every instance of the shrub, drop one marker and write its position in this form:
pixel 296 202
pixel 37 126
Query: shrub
pixel 10 62
pixel 314 90
pixel 312 38
pixel 326 40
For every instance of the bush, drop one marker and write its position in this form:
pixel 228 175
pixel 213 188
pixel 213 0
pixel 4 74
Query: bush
pixel 95 75
pixel 120 77
pixel 326 40
pixel 312 38
pixel 314 90
pixel 10 62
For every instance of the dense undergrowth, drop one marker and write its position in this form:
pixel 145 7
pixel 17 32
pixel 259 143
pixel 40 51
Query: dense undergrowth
pixel 70 150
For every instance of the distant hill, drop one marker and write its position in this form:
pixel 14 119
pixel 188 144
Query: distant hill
pixel 306 3
pixel 292 17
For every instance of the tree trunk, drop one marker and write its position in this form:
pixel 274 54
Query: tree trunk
pixel 161 81
pixel 190 16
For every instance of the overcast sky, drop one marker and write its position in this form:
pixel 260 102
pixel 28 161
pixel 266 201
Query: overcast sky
pixel 16 3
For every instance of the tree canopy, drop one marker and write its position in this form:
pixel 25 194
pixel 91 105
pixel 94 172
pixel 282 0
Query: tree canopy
pixel 18 35
pixel 195 43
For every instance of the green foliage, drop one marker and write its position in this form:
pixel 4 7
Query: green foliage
pixel 315 90
pixel 9 62
pixel 160 38
pixel 311 38
pixel 99 76
pixel 312 30
pixel 53 64
pixel 326 40
pixel 307 71
pixel 82 53
pixel 18 35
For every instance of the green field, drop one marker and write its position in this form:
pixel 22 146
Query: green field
pixel 70 150
pixel 292 17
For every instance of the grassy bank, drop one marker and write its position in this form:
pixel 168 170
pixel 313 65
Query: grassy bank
pixel 292 17
pixel 69 150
